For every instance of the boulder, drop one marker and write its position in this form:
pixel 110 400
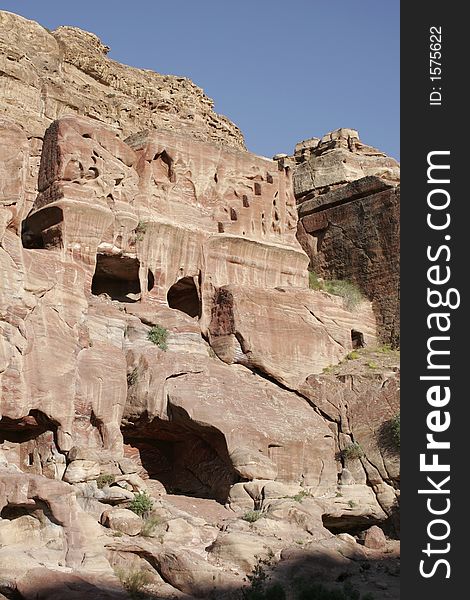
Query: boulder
pixel 252 465
pixel 374 538
pixel 123 520
pixel 81 470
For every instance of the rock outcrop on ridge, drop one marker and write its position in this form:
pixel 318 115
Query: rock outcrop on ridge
pixel 348 198
pixel 159 344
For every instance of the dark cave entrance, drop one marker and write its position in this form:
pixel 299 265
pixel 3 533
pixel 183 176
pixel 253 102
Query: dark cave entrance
pixel 39 509
pixel 184 296
pixel 188 458
pixel 353 525
pixel 357 339
pixel 43 229
pixel 32 441
pixel 25 428
pixel 118 276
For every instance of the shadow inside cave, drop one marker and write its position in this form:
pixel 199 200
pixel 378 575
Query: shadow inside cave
pixel 187 457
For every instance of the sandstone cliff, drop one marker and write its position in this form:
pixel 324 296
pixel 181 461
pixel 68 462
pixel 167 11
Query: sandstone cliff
pixel 159 342
pixel 348 198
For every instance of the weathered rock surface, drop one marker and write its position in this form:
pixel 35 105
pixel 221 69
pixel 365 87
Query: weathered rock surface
pixel 47 584
pixel 374 538
pixel 349 218
pixel 339 157
pixel 67 71
pixel 123 520
pixel 157 334
pixel 307 330
pixel 361 397
pixel 352 233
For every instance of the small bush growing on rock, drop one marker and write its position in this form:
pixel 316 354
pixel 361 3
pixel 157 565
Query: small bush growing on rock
pixel 395 429
pixel 258 579
pixel 158 335
pixel 301 495
pixel 354 355
pixel 150 523
pixel 352 451
pixel 252 515
pixel 313 282
pixel 140 231
pixel 104 480
pixel 347 290
pixel 141 504
pixel 134 581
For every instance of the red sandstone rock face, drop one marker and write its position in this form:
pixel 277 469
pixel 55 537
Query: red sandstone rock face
pixel 349 218
pixel 50 74
pixel 110 239
pixel 352 233
pixel 301 331
pixel 113 219
pixel 339 157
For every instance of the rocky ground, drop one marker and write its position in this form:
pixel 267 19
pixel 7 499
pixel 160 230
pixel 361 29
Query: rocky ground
pixel 182 415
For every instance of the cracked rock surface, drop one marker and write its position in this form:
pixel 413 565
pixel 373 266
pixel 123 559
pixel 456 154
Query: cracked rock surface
pixel 177 407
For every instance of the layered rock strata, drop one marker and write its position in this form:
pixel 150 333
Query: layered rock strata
pixel 158 339
pixel 349 218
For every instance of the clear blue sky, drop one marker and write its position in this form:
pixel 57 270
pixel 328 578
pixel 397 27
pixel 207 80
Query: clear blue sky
pixel 282 71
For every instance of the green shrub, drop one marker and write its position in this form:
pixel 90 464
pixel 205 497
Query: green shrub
pixel 141 504
pixel 301 495
pixel 372 365
pixel 395 429
pixel 354 355
pixel 313 281
pixel 104 480
pixel 134 581
pixel 347 290
pixel 158 335
pixel 351 503
pixel 140 231
pixel 352 451
pixel 150 523
pixel 252 515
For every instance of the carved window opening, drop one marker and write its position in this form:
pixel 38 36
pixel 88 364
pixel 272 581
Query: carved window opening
pixel 118 277
pixel 184 296
pixel 43 229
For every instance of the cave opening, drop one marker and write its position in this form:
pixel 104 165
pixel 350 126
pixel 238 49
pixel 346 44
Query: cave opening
pixel 38 509
pixel 43 229
pixel 27 428
pixel 354 525
pixel 118 277
pixel 357 339
pixel 30 442
pixel 184 296
pixel 188 458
